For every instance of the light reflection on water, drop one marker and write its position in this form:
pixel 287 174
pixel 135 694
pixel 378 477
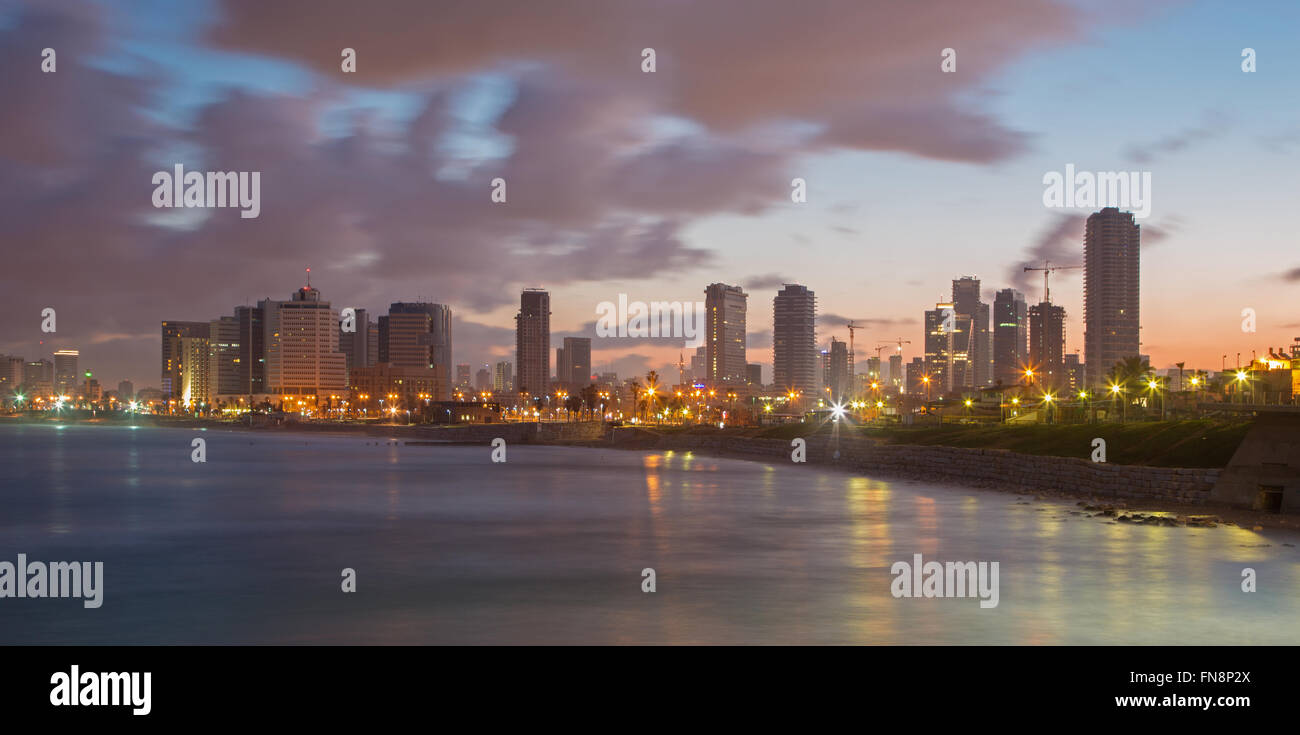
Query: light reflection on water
pixel 549 547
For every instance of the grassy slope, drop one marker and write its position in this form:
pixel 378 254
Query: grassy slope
pixel 1161 444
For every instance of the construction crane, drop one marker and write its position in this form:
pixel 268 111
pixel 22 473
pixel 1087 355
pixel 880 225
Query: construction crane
pixel 852 365
pixel 1047 270
pixel 900 342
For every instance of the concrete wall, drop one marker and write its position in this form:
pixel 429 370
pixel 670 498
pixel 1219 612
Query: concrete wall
pixel 992 468
pixel 1268 458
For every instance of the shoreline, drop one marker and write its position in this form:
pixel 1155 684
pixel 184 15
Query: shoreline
pixel 1206 514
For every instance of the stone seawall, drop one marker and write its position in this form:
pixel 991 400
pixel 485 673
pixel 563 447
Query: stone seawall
pixel 991 468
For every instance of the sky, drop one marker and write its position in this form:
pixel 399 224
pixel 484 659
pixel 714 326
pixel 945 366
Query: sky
pixel 652 185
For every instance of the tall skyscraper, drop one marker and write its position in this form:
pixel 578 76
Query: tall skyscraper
pixel 223 358
pixel 724 333
pixel 252 350
pixel 896 377
pixel 302 347
pixel 11 373
pixel 462 376
pixel 794 339
pixel 66 374
pixel 483 379
pixel 172 334
pixel 942 329
pixel 975 369
pixel 838 371
pixel 754 373
pixel 533 342
pixel 1010 336
pixel 38 375
pixel 418 335
pixel 194 377
pixel 1047 346
pixel 1112 271
pixel 125 390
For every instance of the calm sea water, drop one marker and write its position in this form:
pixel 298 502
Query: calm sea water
pixel 549 547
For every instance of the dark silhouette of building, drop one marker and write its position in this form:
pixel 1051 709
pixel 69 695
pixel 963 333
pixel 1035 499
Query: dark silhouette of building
pixel 1112 270
pixel 533 342
pixel 794 339
pixel 1010 336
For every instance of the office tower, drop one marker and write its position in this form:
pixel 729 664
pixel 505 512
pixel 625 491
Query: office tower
pixel 11 373
pixel 462 376
pixel 192 371
pixel 725 333
pixel 483 380
pixel 503 378
pixel 896 377
pixel 66 376
pixel 1010 336
pixel 974 371
pixel 172 334
pixel 699 366
pixel 252 350
pixel 302 341
pixel 838 371
pixel 1047 347
pixel 125 390
pixel 573 363
pixel 533 342
pixel 418 335
pixel 754 373
pixel 915 373
pixel 1074 374
pixel 224 358
pixel 794 339
pixel 38 376
pixel 359 346
pixel 939 347
pixel 1112 270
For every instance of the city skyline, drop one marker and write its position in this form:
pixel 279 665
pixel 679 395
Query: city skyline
pixel 867 239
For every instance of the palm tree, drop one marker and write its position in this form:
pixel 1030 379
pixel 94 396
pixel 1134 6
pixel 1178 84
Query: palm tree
pixel 635 386
pixel 1130 368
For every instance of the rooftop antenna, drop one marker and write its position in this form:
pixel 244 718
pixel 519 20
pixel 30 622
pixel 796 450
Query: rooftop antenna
pixel 309 278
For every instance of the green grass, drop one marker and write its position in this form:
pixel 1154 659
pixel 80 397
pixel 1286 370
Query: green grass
pixel 1199 443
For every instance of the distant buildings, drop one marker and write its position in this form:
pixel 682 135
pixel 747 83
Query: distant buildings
pixel 66 373
pixel 794 339
pixel 975 370
pixel 896 377
pixel 223 358
pixel 940 343
pixel 173 364
pixel 573 363
pixel 360 347
pixel 837 371
pixel 503 378
pixel 1047 347
pixel 1112 270
pixel 754 373
pixel 1010 336
pixel 483 380
pixel 725 333
pixel 533 342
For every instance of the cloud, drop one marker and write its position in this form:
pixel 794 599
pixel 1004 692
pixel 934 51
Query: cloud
pixel 766 281
pixel 1061 243
pixel 1213 125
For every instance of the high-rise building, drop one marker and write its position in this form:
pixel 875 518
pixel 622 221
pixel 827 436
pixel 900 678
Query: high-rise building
pixel 838 371
pixel 302 348
pixel 725 333
pixel 223 358
pixel 873 368
pixel 66 375
pixel 699 365
pixel 418 335
pixel 193 376
pixel 462 376
pixel 573 363
pixel 172 334
pixel 941 330
pixel 1074 374
pixel 125 390
pixel 974 371
pixel 503 378
pixel 252 350
pixel 1112 271
pixel 38 375
pixel 11 373
pixel 1010 336
pixel 754 373
pixel 533 342
pixel 359 347
pixel 896 377
pixel 794 339
pixel 915 376
pixel 483 379
pixel 1047 347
